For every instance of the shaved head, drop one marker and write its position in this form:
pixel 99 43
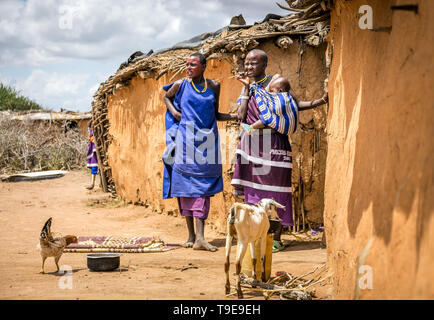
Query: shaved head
pixel 280 84
pixel 201 57
pixel 260 53
pixel 255 64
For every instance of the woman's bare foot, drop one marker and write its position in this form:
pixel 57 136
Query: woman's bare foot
pixel 201 244
pixel 189 243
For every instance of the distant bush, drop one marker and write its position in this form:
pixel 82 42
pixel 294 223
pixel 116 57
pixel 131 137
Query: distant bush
pixel 11 99
pixel 26 146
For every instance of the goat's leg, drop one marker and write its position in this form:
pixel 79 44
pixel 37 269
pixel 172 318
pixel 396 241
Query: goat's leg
pixel 227 263
pixel 254 258
pixel 242 247
pixel 263 248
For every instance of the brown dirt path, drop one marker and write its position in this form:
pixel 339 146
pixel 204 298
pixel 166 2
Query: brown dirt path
pixel 25 206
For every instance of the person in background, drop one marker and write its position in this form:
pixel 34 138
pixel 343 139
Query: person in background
pixel 92 160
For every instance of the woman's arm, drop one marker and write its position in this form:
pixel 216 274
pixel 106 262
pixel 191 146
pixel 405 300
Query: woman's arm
pixel 242 108
pixel 258 125
pixel 168 99
pixel 215 86
pixel 306 105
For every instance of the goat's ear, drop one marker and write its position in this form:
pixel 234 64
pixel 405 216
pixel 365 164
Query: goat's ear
pixel 266 203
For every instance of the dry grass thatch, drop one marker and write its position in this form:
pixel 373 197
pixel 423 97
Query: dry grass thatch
pixel 26 146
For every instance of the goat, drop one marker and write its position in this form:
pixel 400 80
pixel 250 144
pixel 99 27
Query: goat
pixel 248 223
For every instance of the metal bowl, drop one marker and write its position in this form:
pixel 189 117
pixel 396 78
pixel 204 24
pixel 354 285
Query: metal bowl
pixel 103 261
pixel 274 225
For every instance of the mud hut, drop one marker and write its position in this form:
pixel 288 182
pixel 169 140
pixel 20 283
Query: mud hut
pixel 67 120
pixel 378 211
pixel 379 170
pixel 128 110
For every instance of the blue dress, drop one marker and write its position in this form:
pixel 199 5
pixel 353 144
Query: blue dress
pixel 192 160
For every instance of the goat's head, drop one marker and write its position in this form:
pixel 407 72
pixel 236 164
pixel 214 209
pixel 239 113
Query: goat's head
pixel 270 207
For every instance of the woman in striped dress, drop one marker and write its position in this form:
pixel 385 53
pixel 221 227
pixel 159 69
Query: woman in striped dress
pixel 263 166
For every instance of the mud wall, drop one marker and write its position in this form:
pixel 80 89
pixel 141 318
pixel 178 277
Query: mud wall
pixel 136 114
pixel 379 174
pixel 82 127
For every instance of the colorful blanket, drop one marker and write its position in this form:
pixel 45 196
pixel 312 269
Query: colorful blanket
pixel 277 110
pixel 119 244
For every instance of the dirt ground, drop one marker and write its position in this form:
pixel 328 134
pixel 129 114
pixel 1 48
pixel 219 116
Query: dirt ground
pixel 25 206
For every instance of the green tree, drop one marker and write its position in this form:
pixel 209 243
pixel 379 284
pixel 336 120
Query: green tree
pixel 11 99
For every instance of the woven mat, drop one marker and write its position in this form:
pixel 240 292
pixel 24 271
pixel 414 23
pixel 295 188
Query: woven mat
pixel 119 244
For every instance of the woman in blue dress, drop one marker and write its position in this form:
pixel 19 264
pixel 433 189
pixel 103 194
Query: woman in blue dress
pixel 193 169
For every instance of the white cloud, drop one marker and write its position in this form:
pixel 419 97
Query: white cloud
pixel 38 35
pixel 36 32
pixel 56 90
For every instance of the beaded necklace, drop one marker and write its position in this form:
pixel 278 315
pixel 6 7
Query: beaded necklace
pixel 262 80
pixel 258 84
pixel 194 87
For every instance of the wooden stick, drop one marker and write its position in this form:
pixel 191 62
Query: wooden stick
pixel 253 282
pixel 277 278
pixel 176 73
pixel 296 205
pixel 98 155
pixel 319 281
pixel 289 8
pixel 302 207
pixel 302 276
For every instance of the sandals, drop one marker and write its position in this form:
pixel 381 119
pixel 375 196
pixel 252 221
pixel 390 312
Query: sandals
pixel 277 246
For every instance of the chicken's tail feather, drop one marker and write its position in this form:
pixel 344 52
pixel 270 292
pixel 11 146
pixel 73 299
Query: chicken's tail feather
pixel 46 230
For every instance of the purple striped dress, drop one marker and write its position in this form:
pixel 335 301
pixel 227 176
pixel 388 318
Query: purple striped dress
pixel 92 160
pixel 263 166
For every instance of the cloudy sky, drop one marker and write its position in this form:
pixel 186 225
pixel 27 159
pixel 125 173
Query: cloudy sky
pixel 58 51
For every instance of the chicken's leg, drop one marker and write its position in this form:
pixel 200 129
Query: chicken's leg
pixel 43 262
pixel 56 260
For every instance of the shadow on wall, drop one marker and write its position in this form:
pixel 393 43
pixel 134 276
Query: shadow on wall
pixel 393 147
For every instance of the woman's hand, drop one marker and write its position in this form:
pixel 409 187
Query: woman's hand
pixel 246 127
pixel 168 99
pixel 242 107
pixel 243 78
pixel 177 115
pixel 325 97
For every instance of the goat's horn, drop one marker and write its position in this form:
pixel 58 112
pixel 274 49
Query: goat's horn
pixel 278 205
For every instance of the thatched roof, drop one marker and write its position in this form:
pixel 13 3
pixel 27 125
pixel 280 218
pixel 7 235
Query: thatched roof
pixel 309 20
pixel 45 115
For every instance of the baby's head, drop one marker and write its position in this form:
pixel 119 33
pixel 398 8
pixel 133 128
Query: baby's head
pixel 280 84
